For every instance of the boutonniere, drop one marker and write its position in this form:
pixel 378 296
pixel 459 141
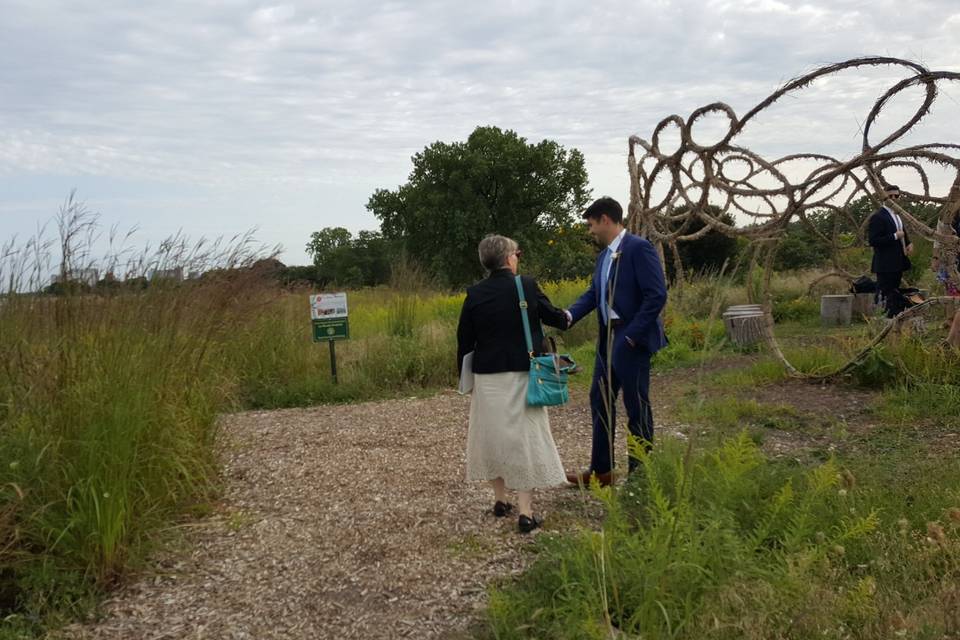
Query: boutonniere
pixel 615 255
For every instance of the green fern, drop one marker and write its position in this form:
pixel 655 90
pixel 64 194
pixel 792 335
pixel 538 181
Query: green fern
pixel 778 506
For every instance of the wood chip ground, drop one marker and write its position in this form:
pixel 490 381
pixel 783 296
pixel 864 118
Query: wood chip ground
pixel 349 521
pixel 354 521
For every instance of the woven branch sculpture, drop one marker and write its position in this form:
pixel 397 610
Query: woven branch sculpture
pixel 705 182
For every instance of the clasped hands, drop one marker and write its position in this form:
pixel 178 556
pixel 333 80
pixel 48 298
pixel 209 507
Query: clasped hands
pixel 629 340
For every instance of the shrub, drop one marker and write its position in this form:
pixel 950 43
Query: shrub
pixel 801 308
pixel 402 316
pixel 722 543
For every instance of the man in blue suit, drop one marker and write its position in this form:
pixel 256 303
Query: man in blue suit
pixel 629 292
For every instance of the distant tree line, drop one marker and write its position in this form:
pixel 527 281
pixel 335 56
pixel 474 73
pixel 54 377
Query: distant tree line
pixel 555 246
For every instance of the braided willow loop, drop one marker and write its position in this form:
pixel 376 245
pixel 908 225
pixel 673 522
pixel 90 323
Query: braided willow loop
pixel 708 182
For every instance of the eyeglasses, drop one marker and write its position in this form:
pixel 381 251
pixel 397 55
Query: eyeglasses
pixel 518 253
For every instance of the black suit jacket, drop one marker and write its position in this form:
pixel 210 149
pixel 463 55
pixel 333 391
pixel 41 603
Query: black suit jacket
pixel 888 255
pixel 491 327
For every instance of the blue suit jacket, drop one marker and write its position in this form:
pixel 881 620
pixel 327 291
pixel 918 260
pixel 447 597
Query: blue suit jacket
pixel 639 293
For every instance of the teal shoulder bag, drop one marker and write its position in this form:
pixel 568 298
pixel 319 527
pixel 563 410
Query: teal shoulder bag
pixel 548 373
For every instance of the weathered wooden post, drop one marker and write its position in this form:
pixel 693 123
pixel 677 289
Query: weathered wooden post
pixel 744 324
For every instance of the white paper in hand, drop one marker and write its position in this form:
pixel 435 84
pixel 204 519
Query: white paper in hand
pixel 466 375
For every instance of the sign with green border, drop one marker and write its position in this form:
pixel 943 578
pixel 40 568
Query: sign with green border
pixel 328 314
pixel 331 329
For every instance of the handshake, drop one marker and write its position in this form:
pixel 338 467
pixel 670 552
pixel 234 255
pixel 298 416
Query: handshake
pixel 567 313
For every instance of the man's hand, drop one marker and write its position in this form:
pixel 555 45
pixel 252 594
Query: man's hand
pixel 569 318
pixel 910 249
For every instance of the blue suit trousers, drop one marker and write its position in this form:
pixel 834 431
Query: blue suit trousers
pixel 629 373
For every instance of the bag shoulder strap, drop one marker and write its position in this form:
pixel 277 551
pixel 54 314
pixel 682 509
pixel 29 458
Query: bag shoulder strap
pixel 524 316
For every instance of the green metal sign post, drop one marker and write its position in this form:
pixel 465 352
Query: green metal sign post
pixel 328 315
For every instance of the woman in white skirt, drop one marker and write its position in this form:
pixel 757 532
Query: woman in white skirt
pixel 508 443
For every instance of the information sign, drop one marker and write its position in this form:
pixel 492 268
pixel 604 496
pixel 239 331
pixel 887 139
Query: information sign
pixel 328 314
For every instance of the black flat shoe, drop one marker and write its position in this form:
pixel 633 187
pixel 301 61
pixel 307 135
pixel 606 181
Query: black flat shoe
pixel 526 525
pixel 502 509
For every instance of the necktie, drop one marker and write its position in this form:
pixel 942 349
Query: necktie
pixel 604 273
pixel 903 240
pixel 899 225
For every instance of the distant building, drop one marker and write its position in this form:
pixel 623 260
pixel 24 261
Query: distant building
pixel 175 274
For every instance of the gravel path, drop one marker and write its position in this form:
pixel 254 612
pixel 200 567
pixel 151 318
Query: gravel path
pixel 345 521
pixel 354 521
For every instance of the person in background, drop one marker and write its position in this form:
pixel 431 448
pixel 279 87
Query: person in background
pixel 891 251
pixel 509 443
pixel 943 275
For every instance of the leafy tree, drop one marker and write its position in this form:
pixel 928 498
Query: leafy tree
pixel 324 242
pixel 495 182
pixel 800 247
pixel 373 255
pixel 299 275
pixel 343 260
pixel 709 252
pixel 570 252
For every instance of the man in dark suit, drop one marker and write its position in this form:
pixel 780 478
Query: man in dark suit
pixel 891 251
pixel 629 292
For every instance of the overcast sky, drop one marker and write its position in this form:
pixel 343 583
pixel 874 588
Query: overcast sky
pixel 216 117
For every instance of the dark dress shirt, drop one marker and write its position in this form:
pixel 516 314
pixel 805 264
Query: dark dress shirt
pixel 491 327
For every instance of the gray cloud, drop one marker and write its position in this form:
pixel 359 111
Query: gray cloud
pixel 310 98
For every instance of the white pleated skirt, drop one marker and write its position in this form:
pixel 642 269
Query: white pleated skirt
pixel 508 439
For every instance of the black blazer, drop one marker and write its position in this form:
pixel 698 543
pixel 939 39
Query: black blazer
pixel 491 327
pixel 888 255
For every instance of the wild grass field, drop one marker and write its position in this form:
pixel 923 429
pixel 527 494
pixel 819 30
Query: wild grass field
pixel 108 419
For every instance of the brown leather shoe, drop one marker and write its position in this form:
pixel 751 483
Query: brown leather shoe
pixel 605 479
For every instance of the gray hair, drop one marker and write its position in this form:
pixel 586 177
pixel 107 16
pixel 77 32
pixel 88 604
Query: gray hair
pixel 494 251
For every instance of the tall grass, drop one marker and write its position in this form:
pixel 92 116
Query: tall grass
pixel 401 341
pixel 108 407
